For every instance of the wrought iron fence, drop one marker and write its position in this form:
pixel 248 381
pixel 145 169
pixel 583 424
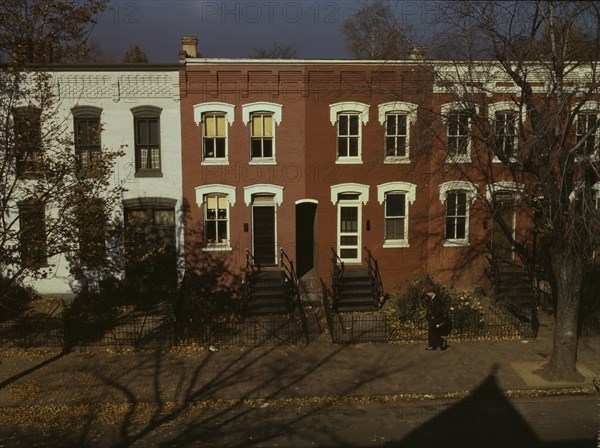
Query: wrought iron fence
pixel 351 328
pixel 32 332
pixel 242 331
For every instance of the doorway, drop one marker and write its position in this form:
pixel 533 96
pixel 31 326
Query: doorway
pixel 264 230
pixel 306 253
pixel 503 227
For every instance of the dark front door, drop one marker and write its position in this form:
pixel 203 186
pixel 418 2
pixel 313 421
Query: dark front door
pixel 503 227
pixel 263 231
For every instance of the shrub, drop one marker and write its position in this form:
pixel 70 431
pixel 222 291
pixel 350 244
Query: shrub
pixel 466 312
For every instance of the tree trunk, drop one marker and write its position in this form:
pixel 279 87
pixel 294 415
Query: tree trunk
pixel 568 273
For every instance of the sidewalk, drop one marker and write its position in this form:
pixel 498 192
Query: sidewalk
pixel 317 370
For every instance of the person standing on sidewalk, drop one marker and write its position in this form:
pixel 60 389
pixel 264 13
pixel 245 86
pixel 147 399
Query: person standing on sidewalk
pixel 435 319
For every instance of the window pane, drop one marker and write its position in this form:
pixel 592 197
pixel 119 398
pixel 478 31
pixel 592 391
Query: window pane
pixel 394 205
pixel 164 217
pixel 211 231
pixel 394 228
pixel 257 130
pixel 391 124
pixel 461 228
pixel 209 126
pixel 209 147
pixel 220 147
pixel 142 132
pixel 256 147
pixel 461 206
pixel 390 146
pixel 451 204
pixel 401 124
pixel 348 253
pixel 153 131
pixel 348 240
pixel 222 228
pixel 401 146
pixel 268 126
pixel 342 146
pixel 220 125
pixel 211 202
pixel 268 148
pixel 353 146
pixel 343 125
pixel 354 125
pixel 450 228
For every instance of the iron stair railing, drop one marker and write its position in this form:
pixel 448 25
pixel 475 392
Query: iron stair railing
pixel 375 276
pixel 337 277
pixel 250 272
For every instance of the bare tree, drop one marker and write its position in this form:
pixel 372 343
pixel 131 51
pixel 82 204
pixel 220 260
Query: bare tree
pixel 56 195
pixel 543 71
pixel 374 32
pixel 46 30
pixel 134 55
pixel 276 51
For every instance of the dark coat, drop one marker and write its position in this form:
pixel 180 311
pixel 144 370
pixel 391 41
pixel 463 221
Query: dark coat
pixel 435 311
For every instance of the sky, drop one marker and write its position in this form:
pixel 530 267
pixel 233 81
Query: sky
pixel 233 29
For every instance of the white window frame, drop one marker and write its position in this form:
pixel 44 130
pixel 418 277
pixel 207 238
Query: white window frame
pixel 263 108
pixel 227 191
pixel 470 189
pixel 398 108
pixel 507 106
pixel 409 190
pixel 457 107
pixel 203 110
pixel 589 107
pixel 349 108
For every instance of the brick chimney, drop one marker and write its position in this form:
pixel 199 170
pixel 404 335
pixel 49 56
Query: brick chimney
pixel 188 47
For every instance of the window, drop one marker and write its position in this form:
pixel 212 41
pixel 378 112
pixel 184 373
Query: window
pixel 28 142
pixel 587 133
pixel 213 139
pixel 262 136
pixel 214 118
pixel 397 118
pixel 348 135
pixel 505 132
pixel 262 117
pixel 92 232
pixel 147 141
pixel 32 234
pixel 457 145
pixel 348 117
pixel 395 135
pixel 396 198
pixel 395 216
pixel 87 139
pixel 216 220
pixel 456 216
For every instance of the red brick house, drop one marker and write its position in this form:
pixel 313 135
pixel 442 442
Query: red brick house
pixel 331 157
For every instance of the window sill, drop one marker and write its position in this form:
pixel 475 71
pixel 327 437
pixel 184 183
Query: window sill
pixel 217 248
pixel 395 244
pixel 262 162
pixel 497 160
pixel 215 162
pixel 396 160
pixel 460 159
pixel 149 173
pixel 349 161
pixel 456 243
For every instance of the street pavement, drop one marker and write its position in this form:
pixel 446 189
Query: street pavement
pixel 104 388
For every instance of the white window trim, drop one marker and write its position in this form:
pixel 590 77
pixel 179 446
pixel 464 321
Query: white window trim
pixel 458 107
pixel 361 189
pixel 350 107
pixel 504 185
pixel 404 108
pixel 200 111
pixel 586 108
pixel 410 192
pixel 261 106
pixel 500 106
pixel 459 186
pixel 275 190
